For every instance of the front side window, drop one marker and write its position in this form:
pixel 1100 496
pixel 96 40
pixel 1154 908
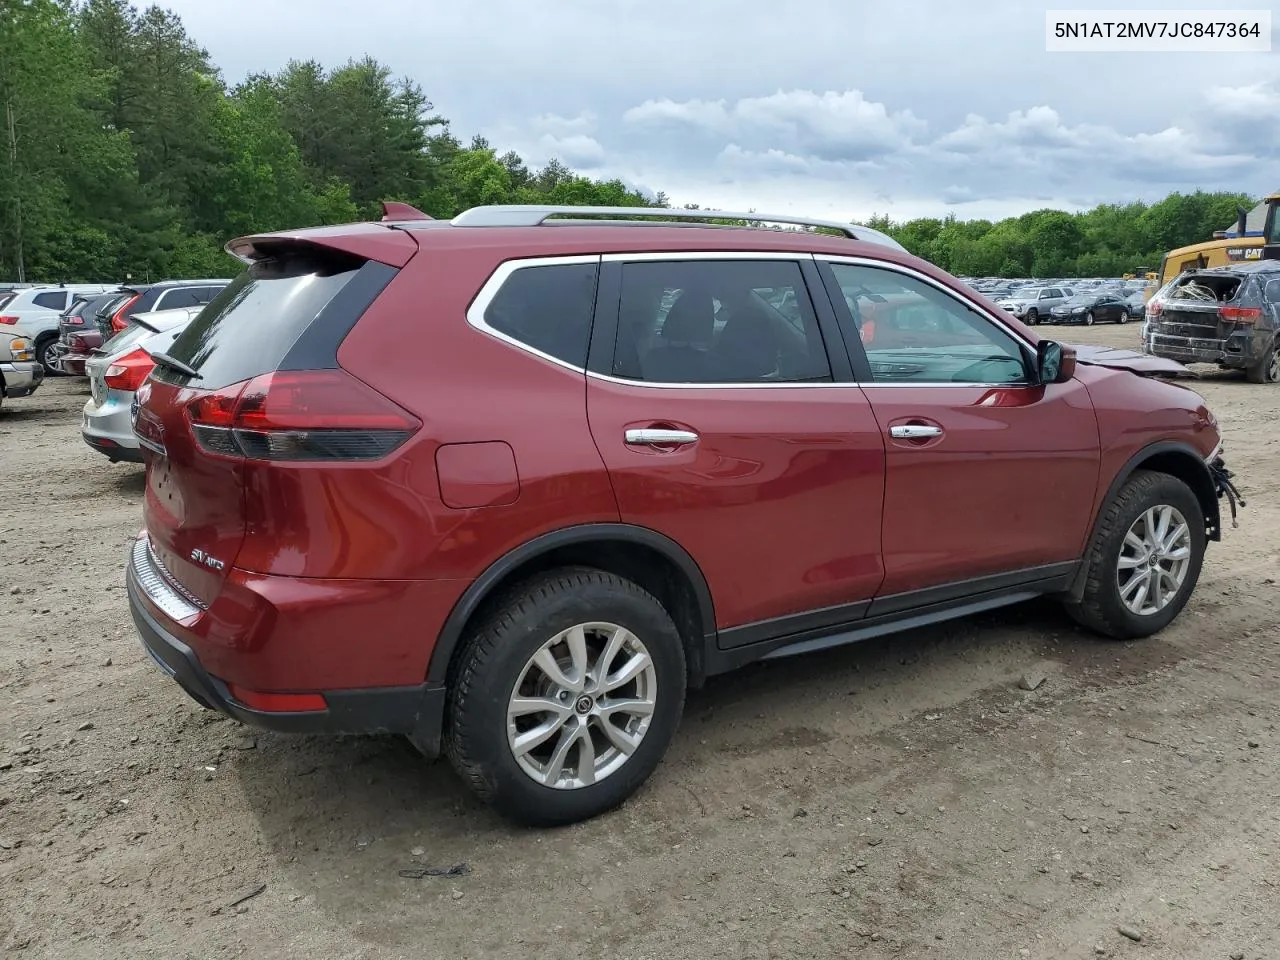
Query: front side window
pixel 717 321
pixel 913 332
pixel 547 307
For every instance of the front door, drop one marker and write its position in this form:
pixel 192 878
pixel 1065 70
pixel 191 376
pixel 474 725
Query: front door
pixel 722 427
pixel 986 473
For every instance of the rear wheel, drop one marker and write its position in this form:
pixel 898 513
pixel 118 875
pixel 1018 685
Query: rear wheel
pixel 1144 558
pixel 1267 370
pixel 1088 319
pixel 566 698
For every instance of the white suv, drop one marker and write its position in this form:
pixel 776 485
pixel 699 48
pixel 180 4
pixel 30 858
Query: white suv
pixel 33 312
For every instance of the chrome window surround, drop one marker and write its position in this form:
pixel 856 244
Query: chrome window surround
pixel 159 584
pixel 476 313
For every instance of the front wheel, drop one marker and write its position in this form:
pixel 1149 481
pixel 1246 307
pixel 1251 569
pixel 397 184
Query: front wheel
pixel 566 698
pixel 1033 317
pixel 1088 319
pixel 1144 558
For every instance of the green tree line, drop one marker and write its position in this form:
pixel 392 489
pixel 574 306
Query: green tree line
pixel 1107 241
pixel 124 152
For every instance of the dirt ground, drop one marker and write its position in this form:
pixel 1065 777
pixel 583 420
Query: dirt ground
pixel 900 798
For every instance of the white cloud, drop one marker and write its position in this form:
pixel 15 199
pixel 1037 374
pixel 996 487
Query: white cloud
pixel 558 126
pixel 576 151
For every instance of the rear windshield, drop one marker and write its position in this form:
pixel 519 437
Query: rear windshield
pixel 1206 288
pixel 248 328
pixel 5 298
pixel 126 338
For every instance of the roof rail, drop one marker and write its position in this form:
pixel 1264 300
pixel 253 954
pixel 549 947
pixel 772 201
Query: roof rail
pixel 533 215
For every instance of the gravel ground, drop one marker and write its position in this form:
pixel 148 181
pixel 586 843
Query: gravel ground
pixel 900 798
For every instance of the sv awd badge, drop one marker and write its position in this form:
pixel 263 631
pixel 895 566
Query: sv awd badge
pixel 213 563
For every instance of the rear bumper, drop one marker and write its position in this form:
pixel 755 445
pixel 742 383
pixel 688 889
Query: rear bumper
pixel 1235 351
pixel 21 379
pixel 108 427
pixel 416 712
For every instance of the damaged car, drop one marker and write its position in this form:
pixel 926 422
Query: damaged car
pixel 1228 316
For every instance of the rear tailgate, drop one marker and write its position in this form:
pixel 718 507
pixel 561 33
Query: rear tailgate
pixel 271 316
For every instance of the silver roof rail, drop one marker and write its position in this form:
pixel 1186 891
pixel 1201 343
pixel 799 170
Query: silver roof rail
pixel 534 215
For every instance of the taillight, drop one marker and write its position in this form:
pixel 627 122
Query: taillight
pixel 299 415
pixel 75 321
pixel 9 321
pixel 1241 314
pixel 119 320
pixel 129 371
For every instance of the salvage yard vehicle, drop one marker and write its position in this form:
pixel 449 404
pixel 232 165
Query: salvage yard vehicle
pixel 34 313
pixel 1034 303
pixel 1091 308
pixel 116 372
pixel 159 297
pixel 1228 316
pixel 635 455
pixel 20 374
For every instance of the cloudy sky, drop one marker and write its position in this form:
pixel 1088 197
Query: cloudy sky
pixel 822 107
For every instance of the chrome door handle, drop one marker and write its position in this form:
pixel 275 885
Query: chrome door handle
pixel 660 438
pixel 914 431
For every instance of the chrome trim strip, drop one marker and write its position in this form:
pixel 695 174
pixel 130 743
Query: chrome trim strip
pixel 158 584
pixel 479 305
pixel 476 311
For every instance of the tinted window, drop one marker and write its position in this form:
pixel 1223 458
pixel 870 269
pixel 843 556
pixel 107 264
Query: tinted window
pixel 178 297
pixel 51 301
pixel 248 329
pixel 733 321
pixel 919 334
pixel 205 294
pixel 126 338
pixel 548 308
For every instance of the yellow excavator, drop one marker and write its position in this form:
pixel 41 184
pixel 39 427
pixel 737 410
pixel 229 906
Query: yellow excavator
pixel 1256 237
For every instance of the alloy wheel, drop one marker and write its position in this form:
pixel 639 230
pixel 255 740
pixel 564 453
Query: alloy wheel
pixel 1154 559
pixel 582 705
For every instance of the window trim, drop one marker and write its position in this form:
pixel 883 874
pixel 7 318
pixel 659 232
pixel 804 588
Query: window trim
pixel 1018 338
pixel 480 303
pixel 498 279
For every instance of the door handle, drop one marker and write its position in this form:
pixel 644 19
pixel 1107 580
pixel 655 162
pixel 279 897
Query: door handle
pixel 652 437
pixel 914 431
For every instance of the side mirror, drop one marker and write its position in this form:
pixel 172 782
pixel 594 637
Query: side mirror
pixel 1054 362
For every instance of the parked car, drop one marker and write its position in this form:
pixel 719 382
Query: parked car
pixel 1031 304
pixel 157 297
pixel 1228 315
pixel 20 375
pixel 524 544
pixel 78 333
pixel 33 314
pixel 1091 308
pixel 115 372
pixel 1137 304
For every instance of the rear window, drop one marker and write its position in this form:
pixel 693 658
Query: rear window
pixel 126 338
pixel 1206 288
pixel 51 301
pixel 249 328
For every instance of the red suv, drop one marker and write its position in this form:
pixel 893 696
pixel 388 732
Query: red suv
pixel 510 484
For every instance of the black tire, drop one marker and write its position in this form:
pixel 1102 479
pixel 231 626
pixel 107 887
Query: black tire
pixel 42 355
pixel 495 656
pixel 1101 608
pixel 1266 370
pixel 1033 317
pixel 1088 319
pixel 1124 316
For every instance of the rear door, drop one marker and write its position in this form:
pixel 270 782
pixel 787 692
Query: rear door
pixel 986 474
pixel 714 403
